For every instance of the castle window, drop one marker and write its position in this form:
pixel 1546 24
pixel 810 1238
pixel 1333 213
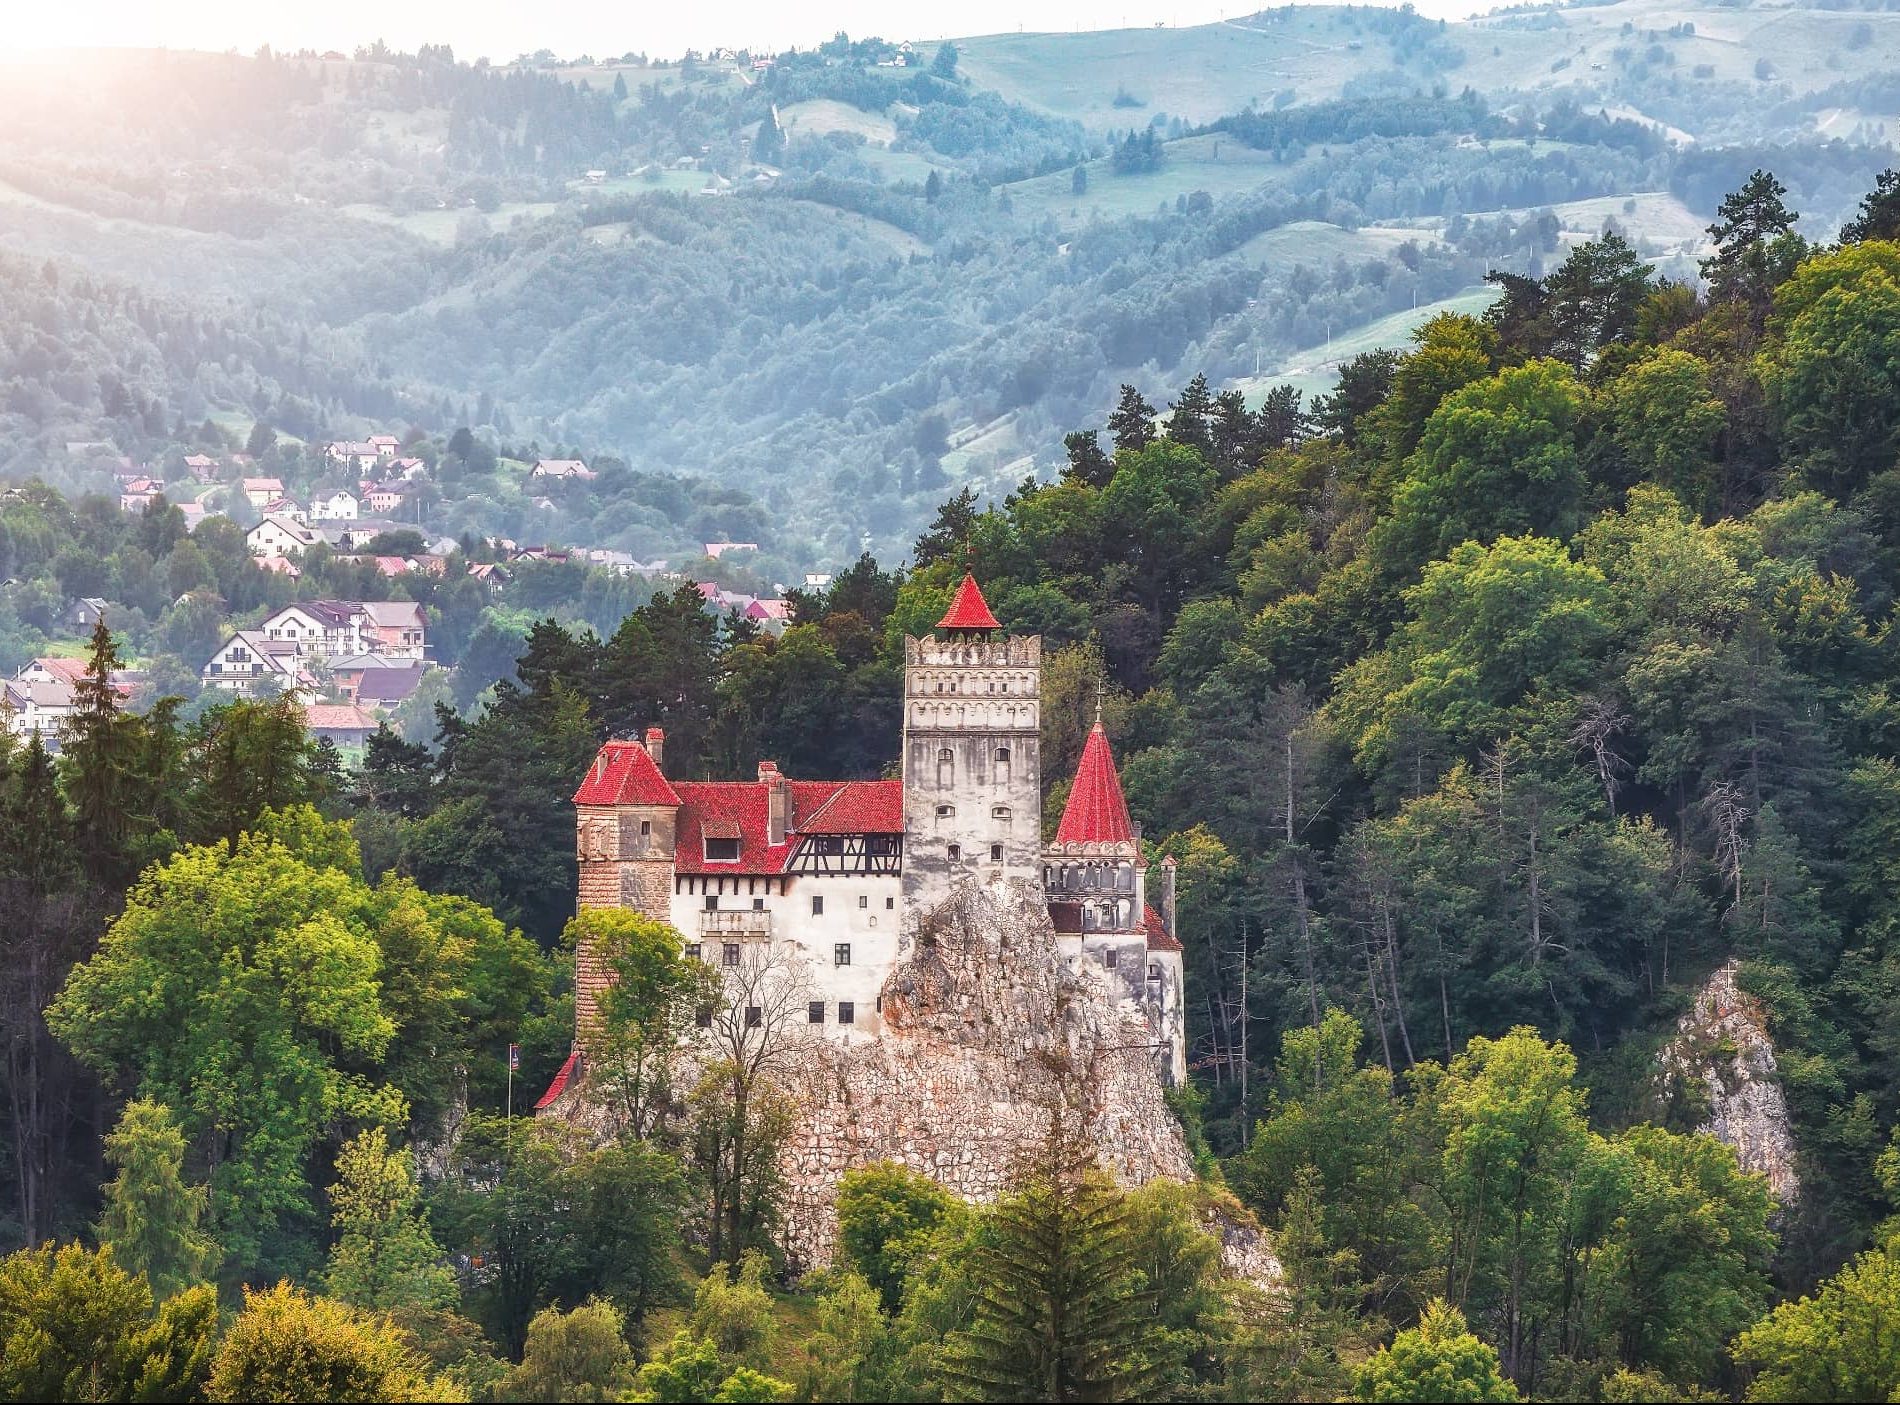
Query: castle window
pixel 847 1012
pixel 722 850
pixel 1000 812
pixel 758 904
pixel 889 903
pixel 817 907
pixel 1111 958
pixel 864 900
pixel 996 853
pixel 945 812
pixel 946 766
pixel 815 1012
pixel 956 852
pixel 729 954
pixel 693 950
pixel 712 904
pixel 1002 765
pixel 1154 970
pixel 754 1017
pixel 646 828
pixel 703 1017
pixel 841 953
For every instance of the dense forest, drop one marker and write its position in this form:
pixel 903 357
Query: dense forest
pixel 1487 702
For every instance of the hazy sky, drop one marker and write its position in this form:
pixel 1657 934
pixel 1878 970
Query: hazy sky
pixel 502 29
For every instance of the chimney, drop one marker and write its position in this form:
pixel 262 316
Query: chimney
pixel 656 746
pixel 1168 866
pixel 600 766
pixel 777 802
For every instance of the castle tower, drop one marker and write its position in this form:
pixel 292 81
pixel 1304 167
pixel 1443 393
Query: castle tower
pixel 972 779
pixel 624 819
pixel 1096 876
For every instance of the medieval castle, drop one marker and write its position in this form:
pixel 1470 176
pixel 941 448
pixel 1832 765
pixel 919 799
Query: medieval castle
pixel 844 872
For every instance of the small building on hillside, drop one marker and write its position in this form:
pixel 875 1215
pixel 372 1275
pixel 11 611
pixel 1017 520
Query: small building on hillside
pixel 84 613
pixel 279 536
pixel 339 505
pixel 249 662
pixel 561 469
pixel 259 491
pixel 344 725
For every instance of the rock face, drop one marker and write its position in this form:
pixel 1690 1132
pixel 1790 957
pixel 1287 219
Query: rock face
pixel 988 1040
pixel 1721 1054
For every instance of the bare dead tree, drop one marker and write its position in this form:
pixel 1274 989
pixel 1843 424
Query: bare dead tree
pixel 1599 722
pixel 1726 815
pixel 753 1041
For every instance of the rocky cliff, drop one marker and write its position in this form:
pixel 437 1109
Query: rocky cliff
pixel 1721 1064
pixel 989 1040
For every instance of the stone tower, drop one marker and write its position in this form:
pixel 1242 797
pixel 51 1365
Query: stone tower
pixel 625 814
pixel 972 778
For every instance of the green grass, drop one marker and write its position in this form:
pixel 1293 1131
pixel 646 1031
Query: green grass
pixel 439 226
pixel 1218 165
pixel 1314 370
pixel 1316 243
pixel 821 116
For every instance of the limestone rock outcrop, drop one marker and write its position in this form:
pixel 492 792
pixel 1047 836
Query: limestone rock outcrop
pixel 988 1038
pixel 1721 1058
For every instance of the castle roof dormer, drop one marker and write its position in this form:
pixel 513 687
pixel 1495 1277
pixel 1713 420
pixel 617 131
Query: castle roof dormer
pixel 968 610
pixel 1096 812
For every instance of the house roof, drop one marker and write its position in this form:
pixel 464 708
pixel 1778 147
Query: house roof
pixel 71 670
pixel 858 807
pixel 263 485
pixel 559 1085
pixel 968 610
pixel 337 717
pixel 623 774
pixel 1096 812
pixel 393 614
pixel 388 685
pixel 1159 937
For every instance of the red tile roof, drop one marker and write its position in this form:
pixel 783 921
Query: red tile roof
pixel 969 610
pixel 1096 812
pixel 337 717
pixel 559 1085
pixel 1159 937
pixel 623 774
pixel 859 807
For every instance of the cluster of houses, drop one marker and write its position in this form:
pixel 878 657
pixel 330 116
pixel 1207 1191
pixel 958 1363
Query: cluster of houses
pixel 43 696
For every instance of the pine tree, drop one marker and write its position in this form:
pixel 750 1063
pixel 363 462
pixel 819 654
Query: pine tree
pixel 1879 216
pixel 1132 424
pixel 101 762
pixel 1755 244
pixel 1087 463
pixel 152 1216
pixel 1189 416
pixel 1061 1312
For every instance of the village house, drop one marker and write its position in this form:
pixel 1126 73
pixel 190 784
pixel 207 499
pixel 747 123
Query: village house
pixel 202 467
pixel 84 613
pixel 840 874
pixel 249 662
pixel 357 454
pixel 561 469
pixel 339 505
pixel 259 491
pixel 385 445
pixel 718 549
pixel 279 536
pixel 344 725
pixel 387 497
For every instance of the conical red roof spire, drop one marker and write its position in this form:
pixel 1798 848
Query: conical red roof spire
pixel 1096 812
pixel 969 610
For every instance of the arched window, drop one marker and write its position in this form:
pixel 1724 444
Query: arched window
pixel 946 812
pixel 1000 812
pixel 946 766
pixel 1002 765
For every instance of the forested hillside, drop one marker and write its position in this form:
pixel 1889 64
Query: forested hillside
pixel 847 280
pixel 1487 703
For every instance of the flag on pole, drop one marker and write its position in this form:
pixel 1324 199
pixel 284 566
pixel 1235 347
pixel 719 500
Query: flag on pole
pixel 514 1057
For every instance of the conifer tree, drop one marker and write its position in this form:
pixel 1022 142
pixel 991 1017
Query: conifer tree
pixel 1189 416
pixel 100 758
pixel 152 1216
pixel 1132 424
pixel 1061 1311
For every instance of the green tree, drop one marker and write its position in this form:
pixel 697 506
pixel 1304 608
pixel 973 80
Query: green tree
pixel 1665 419
pixel 1879 213
pixel 1755 244
pixel 76 1326
pixel 1062 1311
pixel 1133 422
pixel 288 1345
pixel 1838 1343
pixel 384 1256
pixel 1832 366
pixel 233 987
pixel 578 1355
pixel 887 1215
pixel 1438 1360
pixel 152 1217
pixel 854 1350
pixel 1497 457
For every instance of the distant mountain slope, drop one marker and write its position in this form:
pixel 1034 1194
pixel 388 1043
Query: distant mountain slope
pixel 1714 71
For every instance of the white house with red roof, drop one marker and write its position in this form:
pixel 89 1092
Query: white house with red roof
pixel 841 872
